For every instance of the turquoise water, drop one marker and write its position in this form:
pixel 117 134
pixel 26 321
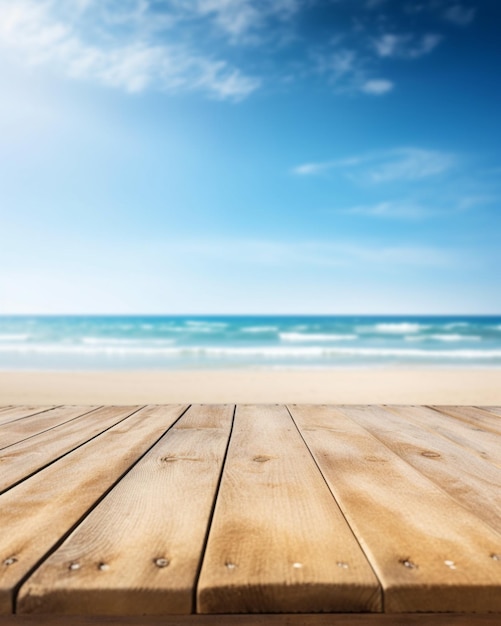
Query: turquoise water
pixel 182 342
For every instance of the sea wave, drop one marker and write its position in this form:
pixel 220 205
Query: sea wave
pixel 248 351
pixel 259 329
pixel 14 337
pixel 400 328
pixel 205 324
pixel 455 337
pixel 119 341
pixel 443 337
pixel 300 337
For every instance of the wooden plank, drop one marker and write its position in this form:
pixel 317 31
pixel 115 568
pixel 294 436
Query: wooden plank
pixel 27 457
pixel 429 553
pixel 483 443
pixel 317 619
pixel 474 416
pixel 278 541
pixel 474 483
pixel 491 409
pixel 36 514
pixel 20 430
pixel 139 550
pixel 20 412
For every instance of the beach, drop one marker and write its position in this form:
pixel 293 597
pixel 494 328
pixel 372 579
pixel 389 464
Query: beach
pixel 254 386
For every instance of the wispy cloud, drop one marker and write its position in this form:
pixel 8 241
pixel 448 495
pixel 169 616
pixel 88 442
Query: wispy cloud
pixel 241 18
pixel 348 72
pixel 377 86
pixel 32 30
pixel 391 210
pixel 406 46
pixel 222 48
pixel 315 253
pixel 399 164
pixel 460 15
pixel 409 164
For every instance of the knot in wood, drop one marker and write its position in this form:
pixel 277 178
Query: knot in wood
pixel 161 562
pixel 342 564
pixel 103 567
pixel 408 564
pixel 430 454
pixel 230 565
pixel 496 557
pixel 74 566
pixel 261 458
pixel 10 561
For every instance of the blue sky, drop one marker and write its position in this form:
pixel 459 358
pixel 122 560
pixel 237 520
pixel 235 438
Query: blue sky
pixel 250 156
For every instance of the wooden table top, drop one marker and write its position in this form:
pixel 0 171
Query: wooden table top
pixel 205 511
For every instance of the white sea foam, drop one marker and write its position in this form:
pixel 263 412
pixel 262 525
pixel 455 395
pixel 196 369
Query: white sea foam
pixel 453 325
pixel 259 329
pixel 453 337
pixel 206 324
pixel 303 337
pixel 248 351
pixel 14 337
pixel 400 328
pixel 119 341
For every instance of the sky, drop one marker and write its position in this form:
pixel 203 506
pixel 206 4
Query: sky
pixel 250 156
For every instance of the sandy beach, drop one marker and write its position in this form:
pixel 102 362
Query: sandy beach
pixel 391 386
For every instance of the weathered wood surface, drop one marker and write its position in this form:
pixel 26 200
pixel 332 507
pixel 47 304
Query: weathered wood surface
pixel 474 416
pixel 11 414
pixel 26 457
pixel 37 513
pixel 278 541
pixel 23 429
pixel 391 513
pixel 138 552
pixel 429 553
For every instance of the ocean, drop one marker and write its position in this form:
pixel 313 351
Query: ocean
pixel 184 342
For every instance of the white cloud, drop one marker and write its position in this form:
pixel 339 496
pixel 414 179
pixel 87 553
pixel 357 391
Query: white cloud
pixel 239 19
pixel 306 169
pixel 391 210
pixel 377 86
pixel 30 30
pixel 399 164
pixel 460 15
pixel 405 46
pixel 347 71
pixel 409 164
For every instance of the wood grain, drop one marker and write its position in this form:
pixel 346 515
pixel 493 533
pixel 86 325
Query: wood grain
pixel 27 457
pixel 278 541
pixel 474 416
pixel 477 440
pixel 17 431
pixel 36 514
pixel 429 553
pixel 491 409
pixel 20 412
pixel 139 550
pixel 474 483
